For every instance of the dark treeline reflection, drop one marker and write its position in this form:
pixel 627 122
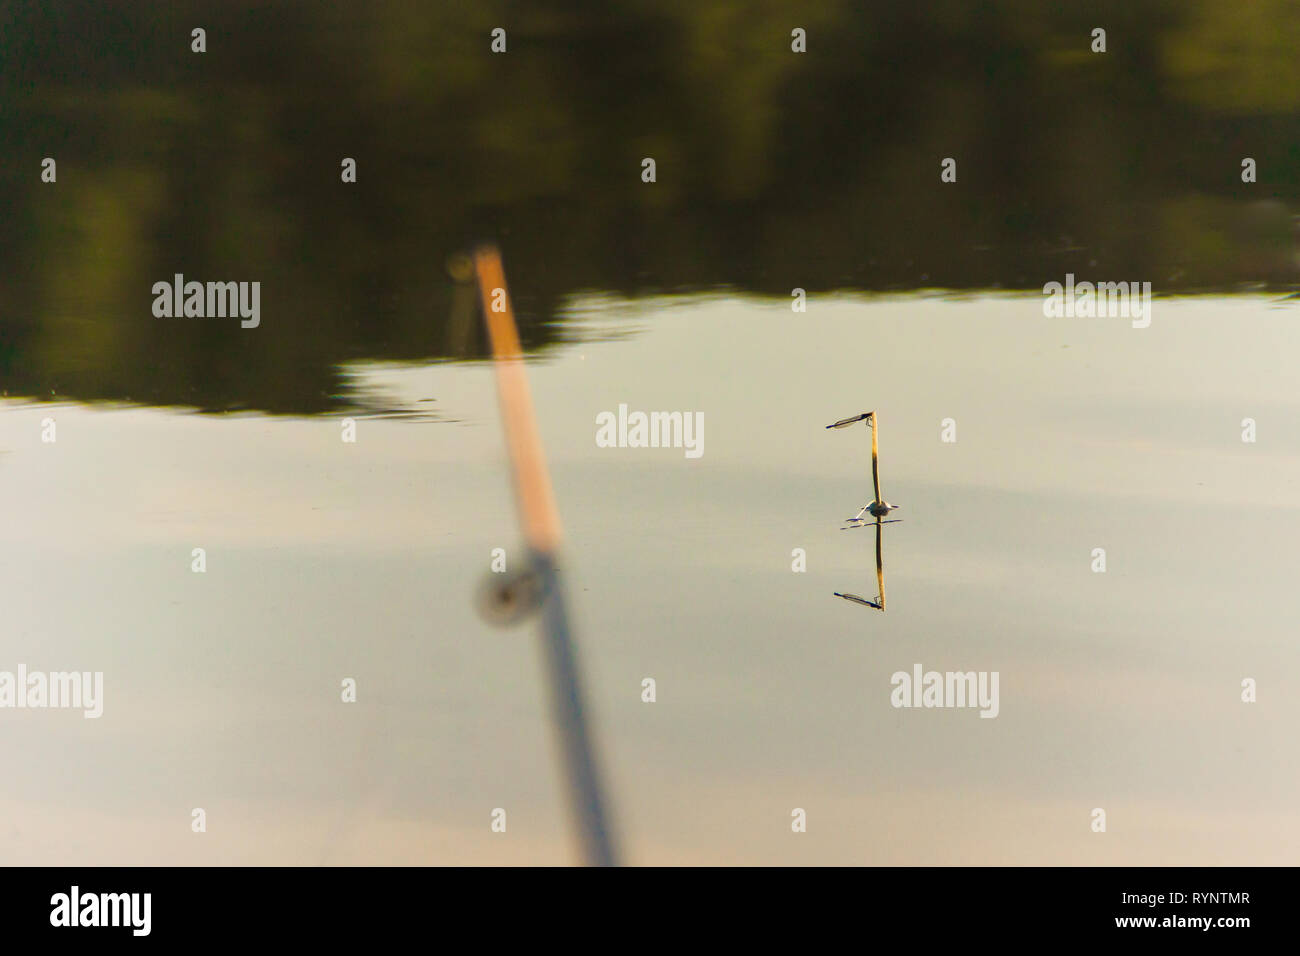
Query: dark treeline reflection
pixel 775 169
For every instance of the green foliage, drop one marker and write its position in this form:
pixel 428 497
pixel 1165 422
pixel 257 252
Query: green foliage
pixel 775 169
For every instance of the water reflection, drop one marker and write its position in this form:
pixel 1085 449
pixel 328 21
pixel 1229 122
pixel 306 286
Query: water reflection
pixel 879 602
pixel 776 170
pixel 329 560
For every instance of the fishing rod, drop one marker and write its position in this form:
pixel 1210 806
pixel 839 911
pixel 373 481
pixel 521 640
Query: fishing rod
pixel 539 586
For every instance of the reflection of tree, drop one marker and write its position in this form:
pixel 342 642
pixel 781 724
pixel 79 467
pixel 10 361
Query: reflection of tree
pixel 1237 58
pixel 775 169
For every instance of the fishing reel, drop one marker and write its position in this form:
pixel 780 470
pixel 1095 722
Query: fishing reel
pixel 510 597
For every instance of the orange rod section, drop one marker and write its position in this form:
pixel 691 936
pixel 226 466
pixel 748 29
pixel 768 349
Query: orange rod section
pixel 537 511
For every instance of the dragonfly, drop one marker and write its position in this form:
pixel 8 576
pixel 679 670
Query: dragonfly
pixel 539 586
pixel 878 506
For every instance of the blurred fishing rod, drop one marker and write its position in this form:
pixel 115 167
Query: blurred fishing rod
pixel 539 585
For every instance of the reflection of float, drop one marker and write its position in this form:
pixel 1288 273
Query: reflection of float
pixel 880 574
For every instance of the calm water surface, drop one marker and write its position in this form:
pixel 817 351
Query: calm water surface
pixel 329 560
pixel 775 170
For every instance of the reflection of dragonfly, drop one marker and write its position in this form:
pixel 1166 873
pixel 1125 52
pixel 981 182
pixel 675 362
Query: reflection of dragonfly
pixel 880 576
pixel 878 508
pixel 538 587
